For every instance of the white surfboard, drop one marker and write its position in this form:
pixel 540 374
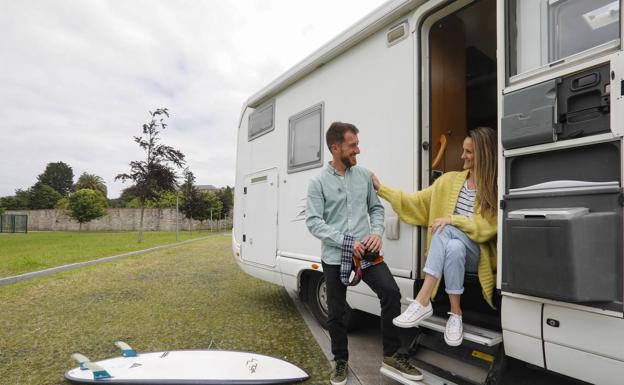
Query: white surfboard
pixel 186 367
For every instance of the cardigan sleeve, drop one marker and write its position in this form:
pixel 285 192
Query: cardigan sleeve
pixel 413 208
pixel 476 227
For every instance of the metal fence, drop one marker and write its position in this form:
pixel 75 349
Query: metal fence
pixel 13 223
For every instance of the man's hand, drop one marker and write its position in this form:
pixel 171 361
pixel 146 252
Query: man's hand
pixel 358 250
pixel 373 243
pixel 438 224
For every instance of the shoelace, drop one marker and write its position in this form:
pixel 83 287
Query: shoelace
pixel 453 320
pixel 341 367
pixel 412 308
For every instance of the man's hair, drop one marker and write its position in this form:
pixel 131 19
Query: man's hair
pixel 335 133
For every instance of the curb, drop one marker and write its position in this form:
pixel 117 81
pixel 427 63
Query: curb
pixel 42 273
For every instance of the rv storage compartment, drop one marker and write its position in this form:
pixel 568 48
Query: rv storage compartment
pixel 566 254
pixel 584 103
pixel 529 116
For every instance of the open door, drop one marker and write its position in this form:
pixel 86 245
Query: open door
pixel 260 218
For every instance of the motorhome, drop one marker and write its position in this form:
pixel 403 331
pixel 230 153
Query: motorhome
pixel 414 76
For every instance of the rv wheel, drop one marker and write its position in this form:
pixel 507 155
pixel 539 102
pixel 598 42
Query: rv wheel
pixel 317 303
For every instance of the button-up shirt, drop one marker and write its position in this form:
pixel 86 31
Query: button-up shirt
pixel 337 205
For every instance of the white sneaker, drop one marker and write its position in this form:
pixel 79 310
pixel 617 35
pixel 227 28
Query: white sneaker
pixel 413 315
pixel 454 333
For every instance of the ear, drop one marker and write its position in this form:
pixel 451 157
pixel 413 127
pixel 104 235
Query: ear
pixel 333 148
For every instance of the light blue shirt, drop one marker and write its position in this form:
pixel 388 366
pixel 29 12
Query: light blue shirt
pixel 337 205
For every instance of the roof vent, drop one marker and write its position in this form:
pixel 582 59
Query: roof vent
pixel 397 33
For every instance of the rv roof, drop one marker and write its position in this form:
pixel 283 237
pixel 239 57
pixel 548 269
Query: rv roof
pixel 350 37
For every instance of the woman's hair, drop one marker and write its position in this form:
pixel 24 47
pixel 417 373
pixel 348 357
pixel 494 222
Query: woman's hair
pixel 485 168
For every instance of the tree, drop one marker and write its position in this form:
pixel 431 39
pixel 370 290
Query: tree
pixel 86 205
pixel 59 176
pixel 43 196
pixel 154 174
pixel 192 203
pixel 214 206
pixel 226 196
pixel 92 182
pixel 20 201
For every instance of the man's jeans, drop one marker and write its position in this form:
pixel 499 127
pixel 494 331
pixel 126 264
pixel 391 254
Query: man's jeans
pixel 451 252
pixel 381 281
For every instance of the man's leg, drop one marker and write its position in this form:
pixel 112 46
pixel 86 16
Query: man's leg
pixel 336 301
pixel 379 278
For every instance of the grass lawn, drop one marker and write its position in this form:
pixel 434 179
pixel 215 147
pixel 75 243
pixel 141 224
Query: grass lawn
pixel 23 253
pixel 180 298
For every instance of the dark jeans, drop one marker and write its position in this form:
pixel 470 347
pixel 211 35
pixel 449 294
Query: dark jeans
pixel 381 281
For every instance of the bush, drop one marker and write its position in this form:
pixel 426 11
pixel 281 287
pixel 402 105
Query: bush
pixel 86 205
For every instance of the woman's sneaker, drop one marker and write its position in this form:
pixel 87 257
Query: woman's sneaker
pixel 399 363
pixel 339 375
pixel 454 333
pixel 413 315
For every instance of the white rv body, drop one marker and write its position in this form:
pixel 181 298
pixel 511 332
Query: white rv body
pixel 383 88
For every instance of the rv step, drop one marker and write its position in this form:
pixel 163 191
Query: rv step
pixel 472 333
pixel 430 378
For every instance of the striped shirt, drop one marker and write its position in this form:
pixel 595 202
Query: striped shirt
pixel 465 201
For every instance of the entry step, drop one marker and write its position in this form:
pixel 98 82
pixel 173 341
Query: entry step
pixel 429 378
pixel 472 333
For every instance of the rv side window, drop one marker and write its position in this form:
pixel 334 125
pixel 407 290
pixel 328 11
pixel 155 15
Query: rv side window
pixel 305 139
pixel 542 33
pixel 261 120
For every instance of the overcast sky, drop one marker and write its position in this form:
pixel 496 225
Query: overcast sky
pixel 78 77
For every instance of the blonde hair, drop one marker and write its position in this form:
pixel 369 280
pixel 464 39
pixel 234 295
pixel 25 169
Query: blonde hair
pixel 485 168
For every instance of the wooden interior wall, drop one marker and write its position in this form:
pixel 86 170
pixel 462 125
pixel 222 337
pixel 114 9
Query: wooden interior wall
pixel 448 90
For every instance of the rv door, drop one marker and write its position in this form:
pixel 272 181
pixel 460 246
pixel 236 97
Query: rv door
pixel 260 218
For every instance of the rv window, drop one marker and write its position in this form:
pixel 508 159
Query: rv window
pixel 544 32
pixel 261 120
pixel 305 139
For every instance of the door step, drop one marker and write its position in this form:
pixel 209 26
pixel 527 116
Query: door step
pixel 430 378
pixel 472 333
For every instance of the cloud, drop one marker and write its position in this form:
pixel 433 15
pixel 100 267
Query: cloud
pixel 79 77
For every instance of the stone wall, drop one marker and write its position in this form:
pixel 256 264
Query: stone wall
pixel 116 220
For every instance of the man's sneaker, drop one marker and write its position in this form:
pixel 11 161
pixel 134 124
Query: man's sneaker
pixel 339 375
pixel 413 315
pixel 399 363
pixel 454 333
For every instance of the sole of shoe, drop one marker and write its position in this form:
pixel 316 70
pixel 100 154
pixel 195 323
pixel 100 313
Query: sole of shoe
pixel 452 342
pixel 338 383
pixel 404 375
pixel 412 324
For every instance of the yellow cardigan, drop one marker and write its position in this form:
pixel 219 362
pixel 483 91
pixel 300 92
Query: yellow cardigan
pixel 438 200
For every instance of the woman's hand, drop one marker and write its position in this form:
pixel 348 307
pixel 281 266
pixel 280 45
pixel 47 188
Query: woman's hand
pixel 438 224
pixel 376 182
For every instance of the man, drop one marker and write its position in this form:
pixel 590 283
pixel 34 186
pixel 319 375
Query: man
pixel 340 202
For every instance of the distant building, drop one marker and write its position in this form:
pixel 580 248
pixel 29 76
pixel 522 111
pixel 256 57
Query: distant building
pixel 205 187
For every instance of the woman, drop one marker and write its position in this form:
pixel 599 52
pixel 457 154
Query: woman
pixel 460 209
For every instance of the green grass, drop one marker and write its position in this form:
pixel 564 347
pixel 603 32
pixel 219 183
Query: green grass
pixel 179 298
pixel 23 253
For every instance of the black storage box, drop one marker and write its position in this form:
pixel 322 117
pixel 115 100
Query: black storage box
pixel 566 254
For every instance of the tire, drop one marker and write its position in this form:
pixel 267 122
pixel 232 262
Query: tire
pixel 317 303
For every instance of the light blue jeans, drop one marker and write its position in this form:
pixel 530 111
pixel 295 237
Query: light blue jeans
pixel 451 252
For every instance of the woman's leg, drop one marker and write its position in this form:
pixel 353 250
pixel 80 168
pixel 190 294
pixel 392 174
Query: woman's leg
pixel 462 254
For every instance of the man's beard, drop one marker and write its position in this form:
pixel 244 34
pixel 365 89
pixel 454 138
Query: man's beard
pixel 346 160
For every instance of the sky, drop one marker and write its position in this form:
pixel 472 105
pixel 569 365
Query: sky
pixel 79 77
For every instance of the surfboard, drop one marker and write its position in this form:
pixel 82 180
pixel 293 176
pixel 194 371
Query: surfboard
pixel 198 367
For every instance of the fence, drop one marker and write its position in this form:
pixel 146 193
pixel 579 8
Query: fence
pixel 13 223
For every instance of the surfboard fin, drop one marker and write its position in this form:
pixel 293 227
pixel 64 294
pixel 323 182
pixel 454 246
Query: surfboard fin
pixel 81 359
pixel 126 350
pixel 98 371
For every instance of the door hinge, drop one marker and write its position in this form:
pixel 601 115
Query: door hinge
pixel 503 204
pixel 244 190
pixel 244 237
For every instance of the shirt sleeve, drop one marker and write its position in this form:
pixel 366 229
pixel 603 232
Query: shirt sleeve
pixel 375 210
pixel 476 227
pixel 315 206
pixel 412 208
